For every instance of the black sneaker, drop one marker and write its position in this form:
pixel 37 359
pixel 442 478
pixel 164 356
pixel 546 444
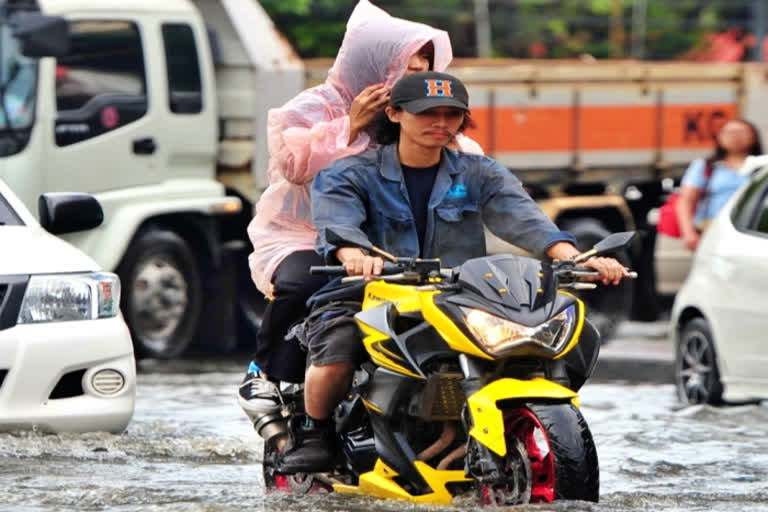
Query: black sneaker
pixel 257 395
pixel 313 452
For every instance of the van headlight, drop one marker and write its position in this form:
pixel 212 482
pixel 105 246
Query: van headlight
pixel 67 297
pixel 498 336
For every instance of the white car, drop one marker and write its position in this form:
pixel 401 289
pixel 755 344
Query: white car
pixel 66 357
pixel 720 315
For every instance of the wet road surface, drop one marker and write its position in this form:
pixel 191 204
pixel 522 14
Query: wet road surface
pixel 190 448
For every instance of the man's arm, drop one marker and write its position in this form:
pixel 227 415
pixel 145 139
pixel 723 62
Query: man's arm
pixel 337 204
pixel 511 214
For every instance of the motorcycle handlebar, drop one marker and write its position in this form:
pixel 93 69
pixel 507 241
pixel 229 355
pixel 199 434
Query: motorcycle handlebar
pixel 339 270
pixel 394 268
pixel 594 273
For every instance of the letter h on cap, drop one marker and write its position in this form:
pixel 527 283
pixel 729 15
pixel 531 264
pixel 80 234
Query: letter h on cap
pixel 440 88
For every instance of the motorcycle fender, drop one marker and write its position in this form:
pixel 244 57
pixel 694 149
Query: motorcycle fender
pixel 487 419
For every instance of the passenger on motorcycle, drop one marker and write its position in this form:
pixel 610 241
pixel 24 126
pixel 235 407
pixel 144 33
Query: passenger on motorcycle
pixel 411 197
pixel 310 131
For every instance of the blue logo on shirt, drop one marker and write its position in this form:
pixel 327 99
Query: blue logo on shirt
pixel 456 192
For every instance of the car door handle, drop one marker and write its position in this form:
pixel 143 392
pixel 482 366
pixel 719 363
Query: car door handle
pixel 144 146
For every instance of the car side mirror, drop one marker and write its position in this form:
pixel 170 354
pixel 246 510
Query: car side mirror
pixel 67 212
pixel 40 35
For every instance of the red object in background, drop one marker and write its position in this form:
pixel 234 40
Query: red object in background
pixel 764 49
pixel 537 50
pixel 668 224
pixel 728 46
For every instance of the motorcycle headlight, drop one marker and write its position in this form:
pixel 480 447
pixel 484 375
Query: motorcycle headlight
pixel 66 297
pixel 499 336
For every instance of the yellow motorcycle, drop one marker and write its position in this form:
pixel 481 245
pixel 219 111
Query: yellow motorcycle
pixel 471 386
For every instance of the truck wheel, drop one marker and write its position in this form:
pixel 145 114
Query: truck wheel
pixel 161 293
pixel 607 306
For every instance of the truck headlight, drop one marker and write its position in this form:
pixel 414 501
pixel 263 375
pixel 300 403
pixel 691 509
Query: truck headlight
pixel 66 297
pixel 499 336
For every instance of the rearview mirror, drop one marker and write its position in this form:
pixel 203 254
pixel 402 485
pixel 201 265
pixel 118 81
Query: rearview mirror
pixel 40 35
pixel 608 244
pixel 64 212
pixel 614 242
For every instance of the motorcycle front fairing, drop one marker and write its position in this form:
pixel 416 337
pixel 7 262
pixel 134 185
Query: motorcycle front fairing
pixel 520 290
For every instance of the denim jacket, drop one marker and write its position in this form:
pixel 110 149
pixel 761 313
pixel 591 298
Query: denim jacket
pixel 364 198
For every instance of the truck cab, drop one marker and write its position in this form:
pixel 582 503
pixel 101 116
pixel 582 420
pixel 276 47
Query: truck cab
pixel 129 112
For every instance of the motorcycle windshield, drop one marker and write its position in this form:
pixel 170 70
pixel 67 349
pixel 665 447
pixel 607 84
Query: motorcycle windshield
pixel 507 280
pixel 18 85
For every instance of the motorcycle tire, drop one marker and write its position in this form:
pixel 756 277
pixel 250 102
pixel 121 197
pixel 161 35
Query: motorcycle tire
pixel 299 483
pixel 562 456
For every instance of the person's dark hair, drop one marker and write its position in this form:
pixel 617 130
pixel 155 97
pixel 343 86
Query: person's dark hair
pixel 720 152
pixel 428 50
pixel 383 131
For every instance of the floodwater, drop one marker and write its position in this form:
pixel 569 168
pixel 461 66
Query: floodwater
pixel 190 448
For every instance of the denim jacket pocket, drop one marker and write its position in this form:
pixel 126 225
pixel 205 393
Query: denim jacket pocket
pixel 460 233
pixel 393 232
pixel 456 212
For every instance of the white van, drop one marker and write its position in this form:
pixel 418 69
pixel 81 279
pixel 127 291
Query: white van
pixel 66 357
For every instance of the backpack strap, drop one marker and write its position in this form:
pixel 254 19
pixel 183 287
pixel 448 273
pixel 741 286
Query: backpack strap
pixel 708 171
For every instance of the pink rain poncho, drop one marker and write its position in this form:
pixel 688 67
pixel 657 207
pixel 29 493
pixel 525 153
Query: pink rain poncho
pixel 312 130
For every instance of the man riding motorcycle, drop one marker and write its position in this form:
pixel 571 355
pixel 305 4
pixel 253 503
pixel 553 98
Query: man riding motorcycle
pixel 411 197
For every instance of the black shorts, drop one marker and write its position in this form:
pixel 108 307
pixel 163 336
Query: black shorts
pixel 340 343
pixel 331 335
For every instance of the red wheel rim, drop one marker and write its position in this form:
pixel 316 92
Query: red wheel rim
pixel 281 484
pixel 525 426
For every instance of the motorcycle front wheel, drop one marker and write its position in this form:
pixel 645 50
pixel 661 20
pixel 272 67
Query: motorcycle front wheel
pixel 550 456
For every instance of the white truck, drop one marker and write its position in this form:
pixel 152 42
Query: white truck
pixel 127 104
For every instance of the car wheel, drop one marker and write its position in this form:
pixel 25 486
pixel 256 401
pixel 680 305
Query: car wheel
pixel 161 293
pixel 697 376
pixel 607 306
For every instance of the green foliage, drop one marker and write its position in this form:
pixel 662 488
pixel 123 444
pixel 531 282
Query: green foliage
pixel 314 27
pixel 524 28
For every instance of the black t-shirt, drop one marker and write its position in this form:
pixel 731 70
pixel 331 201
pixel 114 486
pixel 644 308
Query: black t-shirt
pixel 419 182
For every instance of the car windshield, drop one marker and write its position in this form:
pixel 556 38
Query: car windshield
pixel 8 216
pixel 18 79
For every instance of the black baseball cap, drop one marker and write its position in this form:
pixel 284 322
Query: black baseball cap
pixel 421 91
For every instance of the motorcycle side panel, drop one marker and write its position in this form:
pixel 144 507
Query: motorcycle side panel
pixel 487 419
pixel 404 298
pixel 386 390
pixel 380 483
pixel 374 322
